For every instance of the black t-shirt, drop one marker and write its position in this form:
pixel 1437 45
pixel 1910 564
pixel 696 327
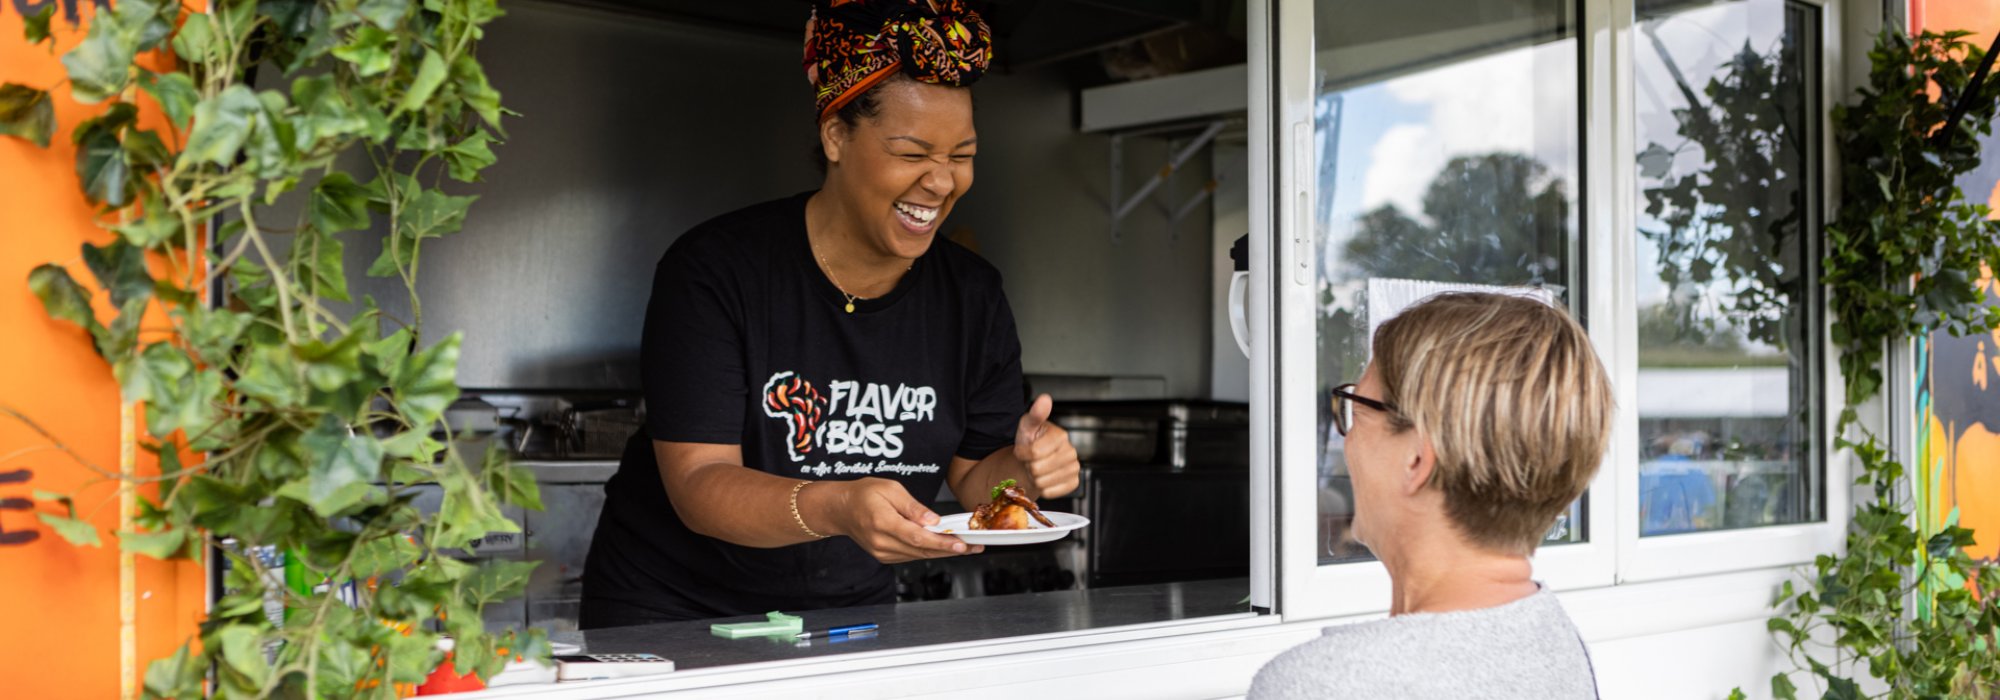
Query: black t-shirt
pixel 747 343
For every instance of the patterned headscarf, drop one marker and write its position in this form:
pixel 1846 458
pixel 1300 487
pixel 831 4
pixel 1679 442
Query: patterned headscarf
pixel 851 45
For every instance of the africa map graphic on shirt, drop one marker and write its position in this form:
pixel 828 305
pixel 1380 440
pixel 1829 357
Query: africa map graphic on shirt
pixel 850 418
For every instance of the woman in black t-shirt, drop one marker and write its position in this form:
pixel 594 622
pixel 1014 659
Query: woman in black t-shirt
pixel 817 367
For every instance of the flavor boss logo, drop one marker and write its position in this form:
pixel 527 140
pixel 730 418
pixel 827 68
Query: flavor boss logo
pixel 793 399
pixel 869 421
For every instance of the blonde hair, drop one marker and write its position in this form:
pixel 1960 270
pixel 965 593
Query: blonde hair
pixel 1513 401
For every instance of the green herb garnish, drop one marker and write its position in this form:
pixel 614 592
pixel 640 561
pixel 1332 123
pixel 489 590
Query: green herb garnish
pixel 1004 485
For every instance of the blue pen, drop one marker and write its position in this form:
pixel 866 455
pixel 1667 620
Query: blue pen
pixel 838 631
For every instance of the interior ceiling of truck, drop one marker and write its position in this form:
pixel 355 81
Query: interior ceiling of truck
pixel 1030 33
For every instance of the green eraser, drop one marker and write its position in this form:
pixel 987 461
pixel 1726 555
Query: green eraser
pixel 777 624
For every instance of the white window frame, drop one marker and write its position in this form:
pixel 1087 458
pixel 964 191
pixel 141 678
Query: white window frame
pixel 1694 554
pixel 1308 590
pixel 1615 552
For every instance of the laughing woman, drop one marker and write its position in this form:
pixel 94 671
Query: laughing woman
pixel 816 367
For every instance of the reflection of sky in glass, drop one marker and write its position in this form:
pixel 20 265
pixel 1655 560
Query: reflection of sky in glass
pixel 1701 42
pixel 1396 135
pixel 1384 142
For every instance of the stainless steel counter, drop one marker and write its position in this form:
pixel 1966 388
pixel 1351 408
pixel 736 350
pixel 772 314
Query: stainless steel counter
pixel 927 623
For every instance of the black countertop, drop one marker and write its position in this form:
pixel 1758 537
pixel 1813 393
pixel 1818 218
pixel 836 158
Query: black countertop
pixel 905 625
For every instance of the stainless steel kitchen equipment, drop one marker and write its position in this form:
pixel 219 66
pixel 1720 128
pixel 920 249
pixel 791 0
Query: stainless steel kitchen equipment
pixel 1166 485
pixel 1175 433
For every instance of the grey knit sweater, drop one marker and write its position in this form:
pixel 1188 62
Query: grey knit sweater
pixel 1524 649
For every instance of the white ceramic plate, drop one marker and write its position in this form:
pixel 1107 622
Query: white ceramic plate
pixel 955 525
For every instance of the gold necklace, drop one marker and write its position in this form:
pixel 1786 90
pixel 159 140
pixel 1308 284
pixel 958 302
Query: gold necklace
pixel 828 268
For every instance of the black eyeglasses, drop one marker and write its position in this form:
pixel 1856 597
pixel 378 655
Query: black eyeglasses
pixel 1344 399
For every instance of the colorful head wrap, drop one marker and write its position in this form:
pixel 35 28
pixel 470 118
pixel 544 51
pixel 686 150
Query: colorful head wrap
pixel 851 45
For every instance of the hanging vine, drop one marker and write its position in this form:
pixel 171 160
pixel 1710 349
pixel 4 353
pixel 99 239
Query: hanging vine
pixel 319 416
pixel 1906 254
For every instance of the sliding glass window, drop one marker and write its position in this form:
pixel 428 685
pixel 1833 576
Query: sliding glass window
pixel 1448 153
pixel 1728 388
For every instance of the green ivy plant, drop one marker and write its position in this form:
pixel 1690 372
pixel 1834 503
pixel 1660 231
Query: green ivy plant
pixel 1904 257
pixel 318 415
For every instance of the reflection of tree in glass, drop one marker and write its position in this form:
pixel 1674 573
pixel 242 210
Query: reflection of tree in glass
pixel 1740 217
pixel 1669 336
pixel 1498 218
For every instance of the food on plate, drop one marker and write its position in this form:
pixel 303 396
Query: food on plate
pixel 1010 510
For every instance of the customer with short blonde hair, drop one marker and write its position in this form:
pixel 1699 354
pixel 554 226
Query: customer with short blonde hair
pixel 1479 419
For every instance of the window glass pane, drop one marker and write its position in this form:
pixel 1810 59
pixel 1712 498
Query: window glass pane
pixel 1448 151
pixel 1727 108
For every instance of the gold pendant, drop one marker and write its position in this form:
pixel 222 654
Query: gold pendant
pixel 850 307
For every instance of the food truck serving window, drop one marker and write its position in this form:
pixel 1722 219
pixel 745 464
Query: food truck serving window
pixel 1449 154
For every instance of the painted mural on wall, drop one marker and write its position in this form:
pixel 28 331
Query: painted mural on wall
pixel 1958 445
pixel 1957 466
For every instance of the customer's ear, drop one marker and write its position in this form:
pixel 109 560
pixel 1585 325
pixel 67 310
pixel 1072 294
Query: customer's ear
pixel 1421 464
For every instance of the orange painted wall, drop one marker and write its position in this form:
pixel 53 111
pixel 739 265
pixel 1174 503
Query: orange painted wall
pixel 1961 460
pixel 59 605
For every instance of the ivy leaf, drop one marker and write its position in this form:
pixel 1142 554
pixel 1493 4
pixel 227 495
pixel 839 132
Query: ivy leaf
pixel 330 366
pixel 78 532
pixel 25 112
pixel 158 545
pixel 342 668
pixel 325 110
pixel 269 373
pixel 117 339
pixel 144 149
pixel 101 65
pixel 148 22
pixel 101 160
pixel 178 396
pixel 156 224
pixel 370 51
pixel 432 214
pixel 385 554
pixel 306 31
pixel 478 93
pixel 221 126
pixel 212 333
pixel 339 204
pixel 325 260
pixel 1838 688
pixel 1782 688
pixel 496 580
pixel 383 13
pixel 195 41
pixel 390 351
pixel 243 651
pixel 177 676
pixel 272 138
pixel 469 156
pixel 63 298
pixel 341 465
pixel 120 267
pixel 398 250
pixel 37 30
pixel 175 92
pixel 512 484
pixel 238 18
pixel 415 447
pixel 411 658
pixel 466 513
pixel 430 75
pixel 426 383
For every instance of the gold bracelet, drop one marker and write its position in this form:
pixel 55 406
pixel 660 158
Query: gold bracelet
pixel 800 519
